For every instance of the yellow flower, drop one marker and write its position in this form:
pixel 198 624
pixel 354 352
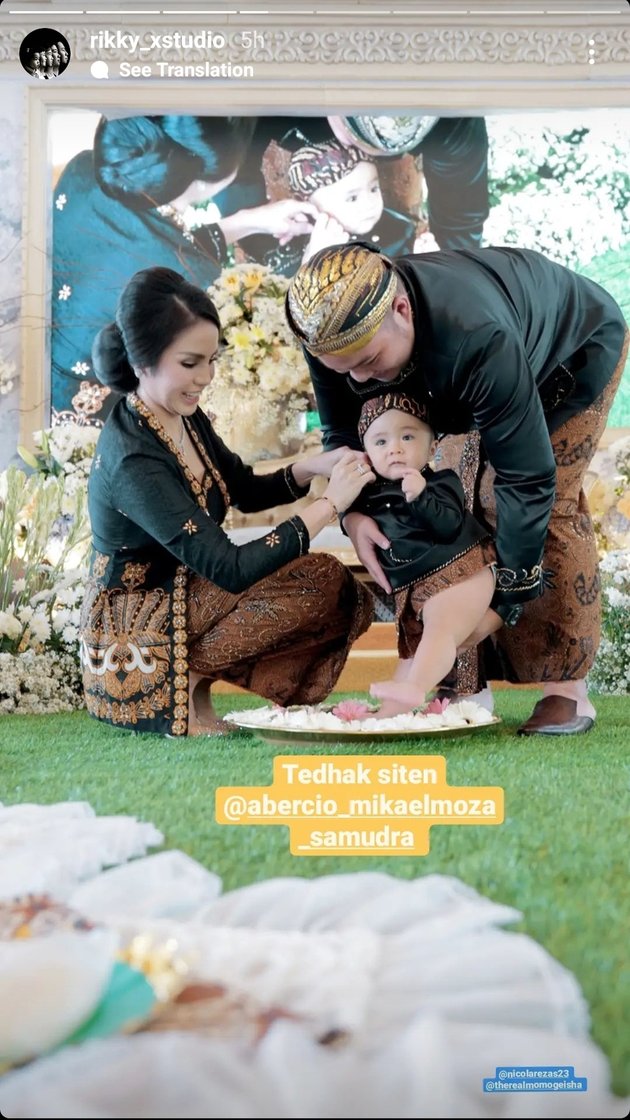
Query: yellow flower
pixel 231 283
pixel 252 279
pixel 240 338
pixel 623 505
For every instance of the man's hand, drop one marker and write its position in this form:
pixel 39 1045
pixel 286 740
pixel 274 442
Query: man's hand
pixel 365 536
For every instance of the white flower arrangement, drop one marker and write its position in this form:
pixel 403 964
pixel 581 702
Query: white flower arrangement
pixel 8 376
pixel 34 683
pixel 65 451
pixel 558 189
pixel 261 379
pixel 611 671
pixel 42 553
pixel 608 493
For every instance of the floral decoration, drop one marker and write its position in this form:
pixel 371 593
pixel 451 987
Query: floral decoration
pixel 611 671
pixel 65 451
pixel 607 489
pixel 8 376
pixel 435 707
pixel 352 709
pixel 42 566
pixel 261 386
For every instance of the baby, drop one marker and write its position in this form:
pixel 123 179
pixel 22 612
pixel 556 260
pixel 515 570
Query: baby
pixel 439 560
pixel 343 184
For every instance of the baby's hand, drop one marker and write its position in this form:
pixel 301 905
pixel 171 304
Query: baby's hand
pixel 413 483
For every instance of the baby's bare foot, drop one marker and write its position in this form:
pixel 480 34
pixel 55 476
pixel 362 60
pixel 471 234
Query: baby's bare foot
pixel 397 696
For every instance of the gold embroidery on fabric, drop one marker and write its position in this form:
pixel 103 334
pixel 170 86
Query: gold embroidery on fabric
pixel 272 539
pixel 125 646
pixel 190 527
pixel 99 566
pixel 180 653
pixel 126 653
pixel 89 400
pixel 507 579
pixel 140 407
pixel 134 575
pixel 320 310
pixel 131 712
pixel 211 467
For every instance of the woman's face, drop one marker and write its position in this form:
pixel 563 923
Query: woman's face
pixel 200 190
pixel 355 201
pixel 173 386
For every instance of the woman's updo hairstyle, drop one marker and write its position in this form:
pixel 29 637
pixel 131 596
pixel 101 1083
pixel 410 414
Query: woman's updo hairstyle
pixel 110 362
pixel 220 143
pixel 144 162
pixel 155 306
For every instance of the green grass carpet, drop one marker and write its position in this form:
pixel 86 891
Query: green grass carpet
pixel 560 857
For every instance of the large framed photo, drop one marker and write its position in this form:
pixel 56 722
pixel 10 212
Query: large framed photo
pixel 512 130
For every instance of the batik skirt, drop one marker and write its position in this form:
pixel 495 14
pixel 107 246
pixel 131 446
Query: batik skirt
pixel 287 637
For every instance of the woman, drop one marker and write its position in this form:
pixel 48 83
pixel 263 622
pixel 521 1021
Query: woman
pixel 120 207
pixel 172 604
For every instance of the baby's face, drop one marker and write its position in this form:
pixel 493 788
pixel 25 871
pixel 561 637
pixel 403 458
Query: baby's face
pixel 397 441
pixel 355 201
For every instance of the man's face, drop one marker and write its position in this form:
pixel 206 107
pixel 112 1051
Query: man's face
pixel 383 357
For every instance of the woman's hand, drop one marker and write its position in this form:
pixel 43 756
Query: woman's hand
pixel 322 463
pixel 365 536
pixel 326 231
pixel 283 220
pixel 347 479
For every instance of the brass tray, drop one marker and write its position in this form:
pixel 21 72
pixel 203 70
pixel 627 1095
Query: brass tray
pixel 291 736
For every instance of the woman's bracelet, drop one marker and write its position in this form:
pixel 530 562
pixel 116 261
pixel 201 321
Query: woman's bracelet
pixel 335 512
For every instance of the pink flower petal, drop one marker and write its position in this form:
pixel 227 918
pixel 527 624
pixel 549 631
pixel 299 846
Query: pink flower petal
pixel 436 707
pixel 351 709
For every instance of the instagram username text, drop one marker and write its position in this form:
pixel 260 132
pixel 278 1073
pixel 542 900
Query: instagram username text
pixel 205 40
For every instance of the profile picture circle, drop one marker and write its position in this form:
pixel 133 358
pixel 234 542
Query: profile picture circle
pixel 44 53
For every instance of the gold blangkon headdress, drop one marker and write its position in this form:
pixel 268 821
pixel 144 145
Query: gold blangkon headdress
pixel 337 300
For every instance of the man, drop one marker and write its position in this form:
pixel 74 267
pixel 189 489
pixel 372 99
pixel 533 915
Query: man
pixel 521 355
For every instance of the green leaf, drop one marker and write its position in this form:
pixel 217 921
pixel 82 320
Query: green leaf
pixel 28 457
